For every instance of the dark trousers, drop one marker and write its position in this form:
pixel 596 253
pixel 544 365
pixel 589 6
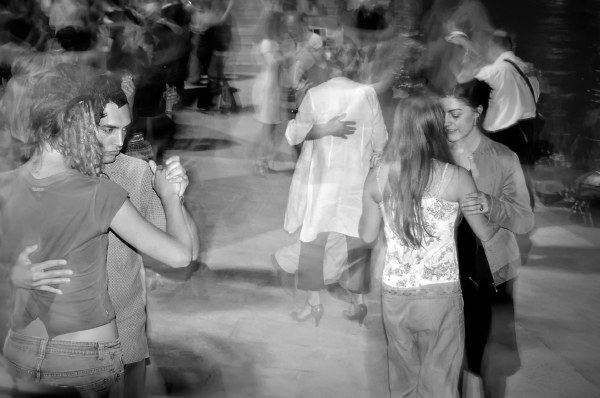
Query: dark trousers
pixel 355 279
pixel 135 379
pixel 490 336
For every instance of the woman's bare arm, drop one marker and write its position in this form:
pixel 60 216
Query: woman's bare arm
pixel 464 184
pixel 176 247
pixel 370 220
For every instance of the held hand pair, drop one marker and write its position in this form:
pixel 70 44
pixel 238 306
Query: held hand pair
pixel 170 178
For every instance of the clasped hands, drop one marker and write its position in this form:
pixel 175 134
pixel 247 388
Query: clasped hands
pixel 171 173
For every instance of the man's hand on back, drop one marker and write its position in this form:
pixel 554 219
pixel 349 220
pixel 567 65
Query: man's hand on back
pixel 28 275
pixel 336 127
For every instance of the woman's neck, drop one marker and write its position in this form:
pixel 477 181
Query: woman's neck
pixel 468 143
pixel 462 149
pixel 46 163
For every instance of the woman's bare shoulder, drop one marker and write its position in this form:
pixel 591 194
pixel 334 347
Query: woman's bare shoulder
pixel 453 182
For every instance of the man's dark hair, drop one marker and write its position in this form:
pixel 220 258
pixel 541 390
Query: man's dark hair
pixel 104 89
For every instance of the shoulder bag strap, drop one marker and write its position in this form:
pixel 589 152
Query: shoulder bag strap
pixel 524 77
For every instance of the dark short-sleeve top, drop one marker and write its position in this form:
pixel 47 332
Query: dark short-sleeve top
pixel 67 215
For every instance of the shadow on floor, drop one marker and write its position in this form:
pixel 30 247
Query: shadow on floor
pixel 200 371
pixel 234 209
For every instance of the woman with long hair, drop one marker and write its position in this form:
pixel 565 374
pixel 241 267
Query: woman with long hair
pixel 488 269
pixel 416 192
pixel 60 202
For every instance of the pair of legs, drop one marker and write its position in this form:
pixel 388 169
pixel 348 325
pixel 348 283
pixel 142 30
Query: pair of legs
pixel 330 258
pixel 213 97
pixel 490 337
pixel 268 143
pixel 425 332
pixel 491 347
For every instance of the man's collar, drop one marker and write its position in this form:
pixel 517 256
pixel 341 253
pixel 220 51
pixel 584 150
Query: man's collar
pixel 505 55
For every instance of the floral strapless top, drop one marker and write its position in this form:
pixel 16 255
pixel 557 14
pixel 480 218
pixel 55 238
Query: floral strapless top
pixel 435 261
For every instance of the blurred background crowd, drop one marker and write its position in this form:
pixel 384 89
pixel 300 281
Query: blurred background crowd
pixel 191 49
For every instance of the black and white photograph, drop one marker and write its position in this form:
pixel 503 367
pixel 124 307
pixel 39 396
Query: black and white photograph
pixel 299 198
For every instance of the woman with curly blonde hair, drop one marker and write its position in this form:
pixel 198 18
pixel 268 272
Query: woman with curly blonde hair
pixel 59 202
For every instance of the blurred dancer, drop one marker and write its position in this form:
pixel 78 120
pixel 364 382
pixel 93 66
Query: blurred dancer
pixel 488 270
pixel 416 192
pixel 27 68
pixel 71 24
pixel 131 44
pixel 213 28
pixel 24 23
pixel 292 42
pixel 266 92
pixel 158 61
pixel 446 19
pixel 342 128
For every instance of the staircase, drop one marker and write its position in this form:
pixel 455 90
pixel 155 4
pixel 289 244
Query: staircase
pixel 247 16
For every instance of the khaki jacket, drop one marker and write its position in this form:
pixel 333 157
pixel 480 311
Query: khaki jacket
pixel 497 172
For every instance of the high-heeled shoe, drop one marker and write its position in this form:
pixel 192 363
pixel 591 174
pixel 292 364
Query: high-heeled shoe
pixel 316 311
pixel 358 313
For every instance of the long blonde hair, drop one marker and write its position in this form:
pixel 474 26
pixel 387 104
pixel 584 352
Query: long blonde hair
pixel 417 138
